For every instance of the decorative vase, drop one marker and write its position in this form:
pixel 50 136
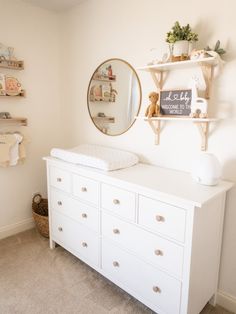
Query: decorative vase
pixel 181 48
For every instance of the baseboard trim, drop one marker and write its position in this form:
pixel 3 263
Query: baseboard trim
pixel 227 301
pixel 10 230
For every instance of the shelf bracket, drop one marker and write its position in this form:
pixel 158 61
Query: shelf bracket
pixel 157 77
pixel 203 128
pixel 207 71
pixel 156 127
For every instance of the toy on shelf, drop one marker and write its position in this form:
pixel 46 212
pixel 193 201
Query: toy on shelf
pixel 199 108
pixel 153 109
pixel 10 86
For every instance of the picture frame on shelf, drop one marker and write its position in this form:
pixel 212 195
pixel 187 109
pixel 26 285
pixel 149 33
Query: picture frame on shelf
pixel 175 102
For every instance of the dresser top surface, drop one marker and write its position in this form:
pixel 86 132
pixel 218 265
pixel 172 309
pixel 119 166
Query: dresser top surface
pixel 165 182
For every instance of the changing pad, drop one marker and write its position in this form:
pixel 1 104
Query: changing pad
pixel 96 156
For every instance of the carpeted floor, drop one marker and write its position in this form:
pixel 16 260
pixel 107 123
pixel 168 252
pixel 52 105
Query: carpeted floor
pixel 37 280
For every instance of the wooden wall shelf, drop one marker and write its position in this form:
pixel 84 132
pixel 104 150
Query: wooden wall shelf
pixel 12 64
pixel 102 99
pixel 105 78
pixel 16 120
pixel 22 94
pixel 157 70
pixel 202 125
pixel 105 119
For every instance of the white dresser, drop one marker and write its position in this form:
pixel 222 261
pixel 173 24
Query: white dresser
pixel 152 231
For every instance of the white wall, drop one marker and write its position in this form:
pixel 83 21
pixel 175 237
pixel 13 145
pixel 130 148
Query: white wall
pixel 35 35
pixel 99 30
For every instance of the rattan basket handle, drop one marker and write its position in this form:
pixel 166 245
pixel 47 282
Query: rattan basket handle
pixel 37 198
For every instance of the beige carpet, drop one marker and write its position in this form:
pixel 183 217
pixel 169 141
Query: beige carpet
pixel 37 280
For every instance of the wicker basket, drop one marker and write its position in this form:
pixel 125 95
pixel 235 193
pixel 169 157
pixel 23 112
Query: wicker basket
pixel 40 214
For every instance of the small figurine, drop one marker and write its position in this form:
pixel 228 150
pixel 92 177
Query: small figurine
pixel 109 71
pixel 153 109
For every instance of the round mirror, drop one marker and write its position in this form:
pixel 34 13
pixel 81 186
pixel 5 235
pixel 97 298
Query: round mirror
pixel 114 96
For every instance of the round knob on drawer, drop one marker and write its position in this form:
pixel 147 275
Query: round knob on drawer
pixel 59 203
pixel 83 189
pixel 156 289
pixel 158 253
pixel 116 264
pixel 160 218
pixel 116 202
pixel 84 215
pixel 116 231
pixel 59 179
pixel 60 229
pixel 84 244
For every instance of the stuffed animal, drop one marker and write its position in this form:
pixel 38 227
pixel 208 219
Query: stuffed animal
pixel 153 109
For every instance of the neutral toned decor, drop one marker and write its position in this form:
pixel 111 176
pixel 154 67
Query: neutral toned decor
pixel 179 38
pixel 157 72
pixel 115 91
pixel 136 219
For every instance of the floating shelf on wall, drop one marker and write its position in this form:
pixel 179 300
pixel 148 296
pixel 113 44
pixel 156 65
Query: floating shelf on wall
pixel 104 99
pixel 22 94
pixel 157 70
pixel 12 64
pixel 202 124
pixel 15 120
pixel 105 78
pixel 105 119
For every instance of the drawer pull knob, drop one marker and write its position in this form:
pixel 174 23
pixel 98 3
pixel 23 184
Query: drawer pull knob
pixel 60 229
pixel 59 179
pixel 59 203
pixel 116 231
pixel 160 218
pixel 84 189
pixel 116 202
pixel 158 253
pixel 156 289
pixel 116 264
pixel 84 244
pixel 84 215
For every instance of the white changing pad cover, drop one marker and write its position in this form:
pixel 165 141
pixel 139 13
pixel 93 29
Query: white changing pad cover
pixel 96 156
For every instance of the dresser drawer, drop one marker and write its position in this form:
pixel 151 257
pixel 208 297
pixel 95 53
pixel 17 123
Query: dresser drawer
pixel 86 189
pixel 83 213
pixel 155 286
pixel 119 201
pixel 150 247
pixel 162 218
pixel 60 179
pixel 75 236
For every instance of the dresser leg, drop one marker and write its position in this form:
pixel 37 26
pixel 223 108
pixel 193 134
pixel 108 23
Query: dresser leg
pixel 52 244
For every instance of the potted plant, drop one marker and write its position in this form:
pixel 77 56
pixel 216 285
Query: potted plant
pixel 179 38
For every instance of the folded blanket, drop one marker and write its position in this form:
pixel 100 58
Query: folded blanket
pixel 100 157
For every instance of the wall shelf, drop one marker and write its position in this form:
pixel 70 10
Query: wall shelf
pixel 105 119
pixel 157 70
pixel 100 99
pixel 21 94
pixel 16 120
pixel 202 125
pixel 12 64
pixel 105 78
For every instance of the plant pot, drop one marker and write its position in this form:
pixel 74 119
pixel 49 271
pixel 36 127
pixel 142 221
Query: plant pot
pixel 180 48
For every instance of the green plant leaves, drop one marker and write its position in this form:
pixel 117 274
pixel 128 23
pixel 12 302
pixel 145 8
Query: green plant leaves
pixel 179 32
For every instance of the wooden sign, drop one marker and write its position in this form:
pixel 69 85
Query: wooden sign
pixel 175 102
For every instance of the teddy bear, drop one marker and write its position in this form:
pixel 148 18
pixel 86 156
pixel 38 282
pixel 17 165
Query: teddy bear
pixel 153 109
